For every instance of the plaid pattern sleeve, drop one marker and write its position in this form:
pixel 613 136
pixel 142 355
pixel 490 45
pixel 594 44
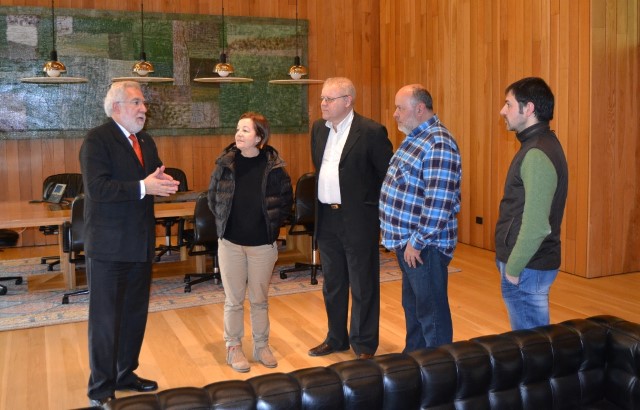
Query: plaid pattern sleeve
pixel 420 196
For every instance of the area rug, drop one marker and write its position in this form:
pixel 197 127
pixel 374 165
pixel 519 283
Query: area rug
pixel 20 309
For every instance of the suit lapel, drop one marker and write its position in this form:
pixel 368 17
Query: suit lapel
pixel 352 138
pixel 323 137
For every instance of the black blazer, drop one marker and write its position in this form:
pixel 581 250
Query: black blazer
pixel 119 226
pixel 363 165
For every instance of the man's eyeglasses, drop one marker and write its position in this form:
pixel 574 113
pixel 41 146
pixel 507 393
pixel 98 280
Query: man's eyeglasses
pixel 135 103
pixel 329 100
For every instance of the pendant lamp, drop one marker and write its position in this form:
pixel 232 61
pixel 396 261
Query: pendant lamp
pixel 297 70
pixel 143 67
pixel 53 69
pixel 224 69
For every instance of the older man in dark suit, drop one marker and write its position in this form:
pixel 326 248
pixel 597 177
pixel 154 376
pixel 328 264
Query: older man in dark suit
pixel 351 154
pixel 121 173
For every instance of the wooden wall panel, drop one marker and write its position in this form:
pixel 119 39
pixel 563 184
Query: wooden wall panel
pixel 579 153
pixel 467 51
pixel 614 214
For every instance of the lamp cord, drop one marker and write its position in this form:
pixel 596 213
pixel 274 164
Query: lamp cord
pixel 224 29
pixel 297 36
pixel 142 27
pixel 53 25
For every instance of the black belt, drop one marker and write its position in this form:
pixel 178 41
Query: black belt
pixel 333 206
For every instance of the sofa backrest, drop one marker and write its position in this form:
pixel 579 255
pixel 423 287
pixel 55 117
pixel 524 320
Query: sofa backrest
pixel 583 363
pixel 562 366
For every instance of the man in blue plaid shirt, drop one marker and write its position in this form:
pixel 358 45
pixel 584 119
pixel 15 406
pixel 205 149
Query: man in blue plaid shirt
pixel 419 201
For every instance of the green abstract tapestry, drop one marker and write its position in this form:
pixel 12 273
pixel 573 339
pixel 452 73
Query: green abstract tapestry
pixel 101 45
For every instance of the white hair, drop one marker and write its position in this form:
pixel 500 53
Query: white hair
pixel 117 92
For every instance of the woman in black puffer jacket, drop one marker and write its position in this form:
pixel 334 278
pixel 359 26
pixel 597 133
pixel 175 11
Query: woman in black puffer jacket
pixel 250 196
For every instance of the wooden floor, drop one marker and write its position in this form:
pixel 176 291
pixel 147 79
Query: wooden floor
pixel 47 368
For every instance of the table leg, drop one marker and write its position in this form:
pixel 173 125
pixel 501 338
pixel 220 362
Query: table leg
pixel 68 269
pixel 201 261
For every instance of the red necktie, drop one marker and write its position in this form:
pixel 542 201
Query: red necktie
pixel 136 148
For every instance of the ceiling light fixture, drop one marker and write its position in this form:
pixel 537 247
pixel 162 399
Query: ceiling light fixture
pixel 223 68
pixel 297 70
pixel 53 68
pixel 143 67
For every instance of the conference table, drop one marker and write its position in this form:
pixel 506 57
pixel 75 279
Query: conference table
pixel 23 214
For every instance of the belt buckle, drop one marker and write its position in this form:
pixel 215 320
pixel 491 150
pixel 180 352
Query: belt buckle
pixel 335 206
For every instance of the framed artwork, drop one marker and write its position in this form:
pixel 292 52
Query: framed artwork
pixel 101 45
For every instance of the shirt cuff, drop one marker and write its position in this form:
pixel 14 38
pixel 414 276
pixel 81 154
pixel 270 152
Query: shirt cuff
pixel 143 191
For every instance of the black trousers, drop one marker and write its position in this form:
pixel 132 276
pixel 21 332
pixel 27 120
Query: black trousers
pixel 118 306
pixel 349 264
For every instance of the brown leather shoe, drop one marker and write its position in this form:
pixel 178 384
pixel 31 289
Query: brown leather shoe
pixel 365 356
pixel 324 349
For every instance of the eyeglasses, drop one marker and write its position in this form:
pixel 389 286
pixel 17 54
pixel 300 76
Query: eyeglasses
pixel 329 100
pixel 136 103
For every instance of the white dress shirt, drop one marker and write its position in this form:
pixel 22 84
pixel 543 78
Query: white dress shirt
pixel 329 177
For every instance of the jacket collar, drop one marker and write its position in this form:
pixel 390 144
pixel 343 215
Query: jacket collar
pixel 534 129
pixel 228 156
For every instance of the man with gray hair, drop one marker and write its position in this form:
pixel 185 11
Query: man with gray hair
pixel 419 202
pixel 121 173
pixel 351 154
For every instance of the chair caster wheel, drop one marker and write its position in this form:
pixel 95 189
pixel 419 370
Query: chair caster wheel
pixel 65 300
pixel 314 281
pixel 187 289
pixel 283 275
pixel 19 281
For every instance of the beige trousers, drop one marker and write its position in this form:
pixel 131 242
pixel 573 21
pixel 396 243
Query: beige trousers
pixel 242 268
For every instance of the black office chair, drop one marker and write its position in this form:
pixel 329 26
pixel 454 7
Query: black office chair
pixel 73 241
pixel 169 222
pixel 74 187
pixel 8 238
pixel 203 234
pixel 304 216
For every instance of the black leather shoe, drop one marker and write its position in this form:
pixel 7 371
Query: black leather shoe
pixel 139 385
pixel 100 402
pixel 324 349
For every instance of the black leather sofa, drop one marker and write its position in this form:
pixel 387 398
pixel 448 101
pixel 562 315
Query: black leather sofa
pixel 589 363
